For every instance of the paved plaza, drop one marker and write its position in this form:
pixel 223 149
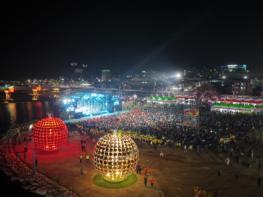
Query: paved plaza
pixel 176 174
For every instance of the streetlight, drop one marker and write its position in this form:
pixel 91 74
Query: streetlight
pixel 245 77
pixel 178 75
pixel 223 77
pixel 30 127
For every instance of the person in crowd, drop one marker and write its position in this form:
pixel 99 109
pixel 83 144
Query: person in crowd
pixel 259 180
pixel 81 170
pixel 145 180
pixel 87 158
pixel 152 181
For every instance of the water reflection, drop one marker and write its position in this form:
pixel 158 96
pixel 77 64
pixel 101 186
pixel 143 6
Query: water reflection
pixel 11 107
pixel 29 109
pixel 47 107
pixel 21 112
pixel 38 109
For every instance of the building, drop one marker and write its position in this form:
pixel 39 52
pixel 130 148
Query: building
pixel 78 71
pixel 241 88
pixel 105 75
pixel 235 79
pixel 234 68
pixel 257 86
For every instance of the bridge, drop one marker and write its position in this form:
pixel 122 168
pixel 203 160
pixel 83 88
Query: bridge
pixel 60 90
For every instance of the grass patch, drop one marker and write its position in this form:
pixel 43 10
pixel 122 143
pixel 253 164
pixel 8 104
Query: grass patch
pixel 98 180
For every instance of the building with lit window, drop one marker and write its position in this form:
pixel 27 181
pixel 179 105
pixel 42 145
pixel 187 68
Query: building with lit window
pixel 105 75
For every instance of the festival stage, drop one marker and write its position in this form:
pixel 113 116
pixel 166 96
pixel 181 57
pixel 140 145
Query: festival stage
pixel 88 104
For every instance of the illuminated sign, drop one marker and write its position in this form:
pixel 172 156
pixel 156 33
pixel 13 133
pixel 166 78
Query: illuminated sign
pixel 232 67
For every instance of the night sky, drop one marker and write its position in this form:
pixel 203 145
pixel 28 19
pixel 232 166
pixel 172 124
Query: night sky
pixel 39 40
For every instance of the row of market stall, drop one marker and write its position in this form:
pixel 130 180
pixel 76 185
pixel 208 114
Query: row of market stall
pixel 238 105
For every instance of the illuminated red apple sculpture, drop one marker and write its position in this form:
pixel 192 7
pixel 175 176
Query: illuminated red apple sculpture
pixel 49 134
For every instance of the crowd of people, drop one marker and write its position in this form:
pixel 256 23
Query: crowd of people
pixel 216 132
pixel 161 126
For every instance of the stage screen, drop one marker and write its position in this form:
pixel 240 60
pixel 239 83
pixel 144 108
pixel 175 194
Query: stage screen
pixel 89 104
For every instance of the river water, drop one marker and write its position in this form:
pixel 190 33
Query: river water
pixel 17 113
pixel 21 112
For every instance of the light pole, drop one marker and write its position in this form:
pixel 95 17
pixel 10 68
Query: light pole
pixel 178 77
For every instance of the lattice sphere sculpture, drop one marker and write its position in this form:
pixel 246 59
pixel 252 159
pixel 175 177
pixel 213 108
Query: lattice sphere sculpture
pixel 49 134
pixel 115 157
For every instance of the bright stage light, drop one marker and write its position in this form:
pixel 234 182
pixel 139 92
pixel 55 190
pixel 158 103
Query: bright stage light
pixel 116 103
pixel 66 101
pixel 70 109
pixel 86 97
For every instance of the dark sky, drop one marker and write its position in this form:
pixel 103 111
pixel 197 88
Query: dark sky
pixel 41 39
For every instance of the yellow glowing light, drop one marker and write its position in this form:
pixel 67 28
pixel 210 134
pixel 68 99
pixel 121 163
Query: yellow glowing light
pixel 115 157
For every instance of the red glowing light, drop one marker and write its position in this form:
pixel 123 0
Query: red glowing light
pixel 49 134
pixel 39 88
pixel 11 89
